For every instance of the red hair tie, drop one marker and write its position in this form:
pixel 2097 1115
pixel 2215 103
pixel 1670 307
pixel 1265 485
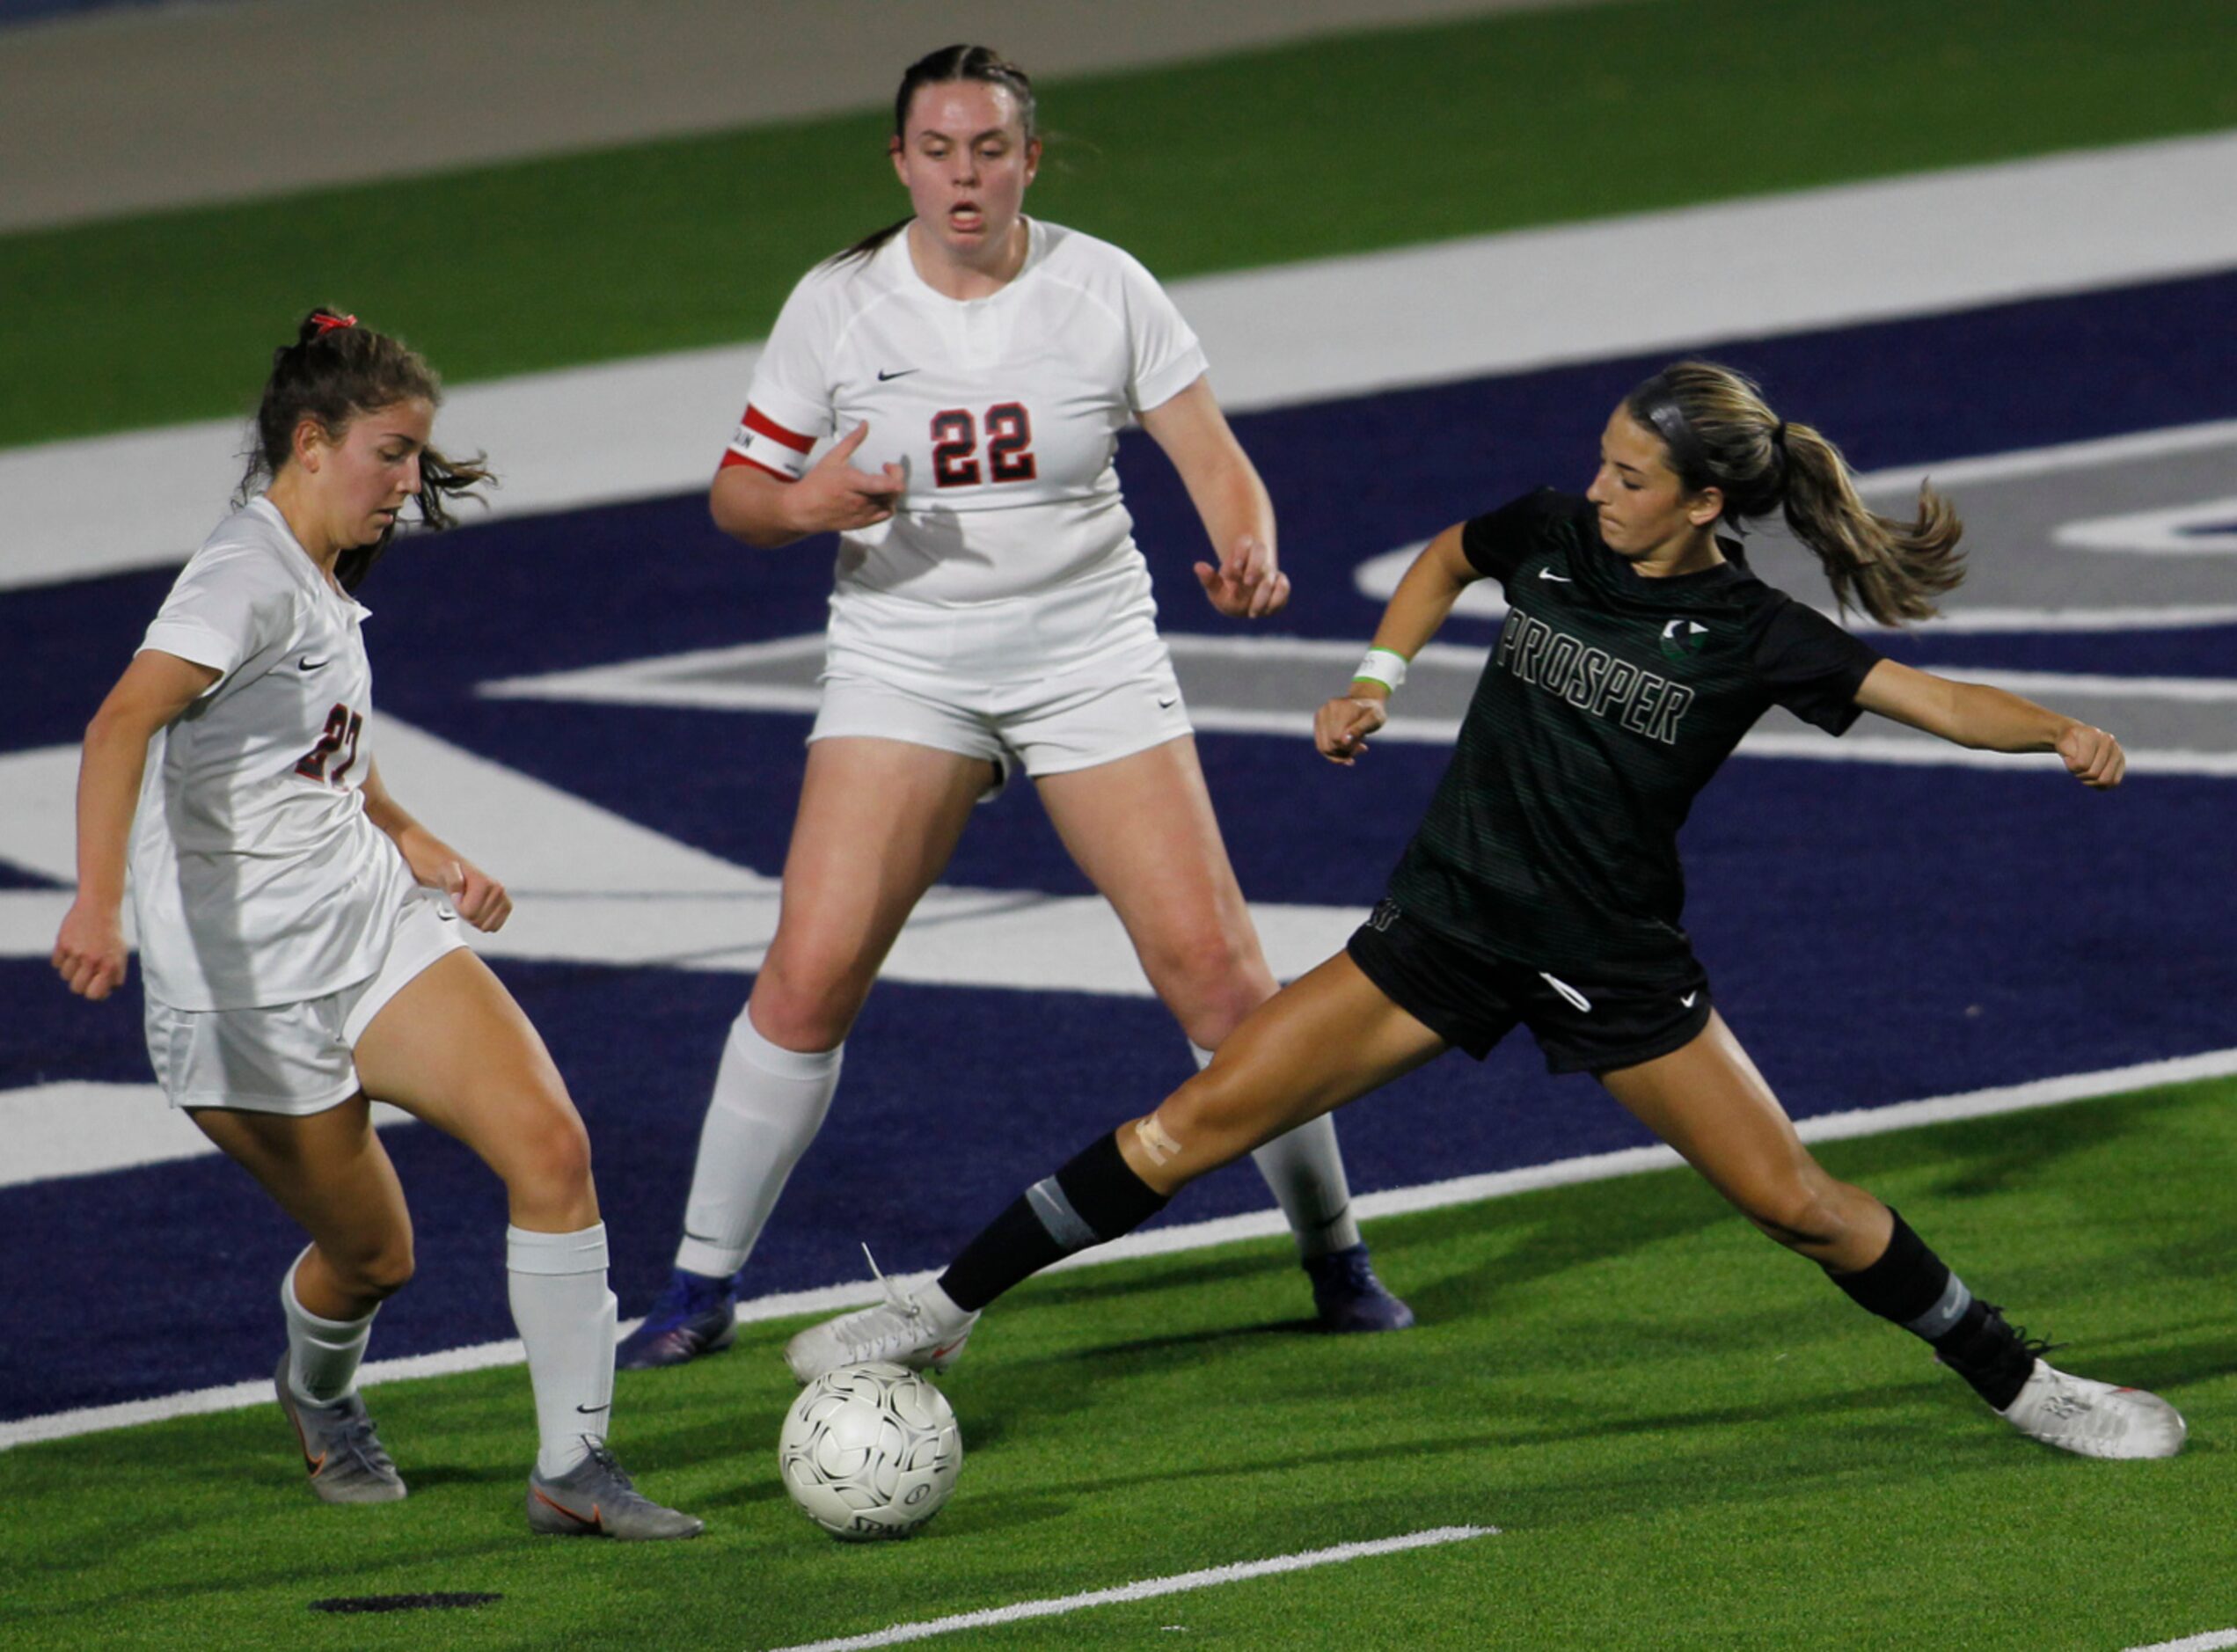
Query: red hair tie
pixel 327 324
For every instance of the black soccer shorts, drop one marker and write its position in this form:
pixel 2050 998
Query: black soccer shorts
pixel 1584 1022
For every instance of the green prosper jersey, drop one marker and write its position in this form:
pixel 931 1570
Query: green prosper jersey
pixel 1608 702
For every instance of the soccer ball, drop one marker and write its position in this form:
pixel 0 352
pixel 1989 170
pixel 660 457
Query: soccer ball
pixel 870 1451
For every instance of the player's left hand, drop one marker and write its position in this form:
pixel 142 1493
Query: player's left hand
pixel 2093 757
pixel 1247 584
pixel 480 899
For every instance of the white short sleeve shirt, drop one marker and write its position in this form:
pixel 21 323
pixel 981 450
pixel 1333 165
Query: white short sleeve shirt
pixel 256 877
pixel 1004 413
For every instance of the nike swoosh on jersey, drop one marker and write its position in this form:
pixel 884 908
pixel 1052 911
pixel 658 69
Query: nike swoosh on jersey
pixel 1558 579
pixel 1166 706
pixel 309 664
pixel 1688 999
pixel 883 376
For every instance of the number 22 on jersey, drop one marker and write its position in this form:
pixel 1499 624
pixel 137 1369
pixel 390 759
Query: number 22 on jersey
pixel 1009 446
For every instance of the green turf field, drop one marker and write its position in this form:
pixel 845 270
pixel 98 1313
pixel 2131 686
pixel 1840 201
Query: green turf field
pixel 1330 147
pixel 1684 1437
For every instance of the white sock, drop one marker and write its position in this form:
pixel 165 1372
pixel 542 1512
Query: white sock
pixel 557 1282
pixel 767 1106
pixel 1305 1169
pixel 323 1354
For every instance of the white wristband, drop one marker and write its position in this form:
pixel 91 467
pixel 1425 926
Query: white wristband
pixel 1386 666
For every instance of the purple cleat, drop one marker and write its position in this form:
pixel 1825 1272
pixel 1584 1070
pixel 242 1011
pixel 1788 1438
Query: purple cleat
pixel 1347 1296
pixel 696 1314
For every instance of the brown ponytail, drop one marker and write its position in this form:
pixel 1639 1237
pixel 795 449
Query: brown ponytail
pixel 334 371
pixel 944 67
pixel 1720 433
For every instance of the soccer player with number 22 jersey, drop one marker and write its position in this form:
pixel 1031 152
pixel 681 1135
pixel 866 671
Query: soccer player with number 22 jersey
pixel 975 368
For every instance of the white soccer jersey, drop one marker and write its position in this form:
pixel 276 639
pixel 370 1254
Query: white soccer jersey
pixel 256 877
pixel 1003 412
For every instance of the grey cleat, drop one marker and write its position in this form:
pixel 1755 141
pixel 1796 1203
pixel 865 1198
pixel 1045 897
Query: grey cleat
pixel 2094 1419
pixel 595 1499
pixel 339 1448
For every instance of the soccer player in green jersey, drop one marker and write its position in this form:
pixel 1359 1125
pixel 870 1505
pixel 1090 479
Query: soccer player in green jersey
pixel 1543 886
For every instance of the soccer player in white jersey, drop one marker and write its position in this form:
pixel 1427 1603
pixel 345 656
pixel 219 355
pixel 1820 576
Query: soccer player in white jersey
pixel 977 368
pixel 298 935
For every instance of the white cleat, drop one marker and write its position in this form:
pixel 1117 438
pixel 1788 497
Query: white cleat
pixel 922 1329
pixel 2094 1419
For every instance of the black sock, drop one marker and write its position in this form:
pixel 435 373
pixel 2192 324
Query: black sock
pixel 1095 1197
pixel 1913 1287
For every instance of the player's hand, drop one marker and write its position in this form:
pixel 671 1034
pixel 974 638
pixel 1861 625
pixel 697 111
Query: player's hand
pixel 2093 757
pixel 1341 727
pixel 479 898
pixel 1247 584
pixel 834 497
pixel 89 951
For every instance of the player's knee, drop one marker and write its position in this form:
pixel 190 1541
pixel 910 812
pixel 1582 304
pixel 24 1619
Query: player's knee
pixel 379 1271
pixel 555 1166
pixel 1212 977
pixel 1218 1109
pixel 803 1001
pixel 1800 1212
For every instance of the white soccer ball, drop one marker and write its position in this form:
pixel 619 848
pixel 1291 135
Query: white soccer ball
pixel 870 1451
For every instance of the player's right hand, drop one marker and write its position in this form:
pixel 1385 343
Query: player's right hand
pixel 834 497
pixel 1341 727
pixel 89 951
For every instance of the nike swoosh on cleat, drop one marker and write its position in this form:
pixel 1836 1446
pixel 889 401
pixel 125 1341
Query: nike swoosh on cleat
pixel 594 1522
pixel 883 376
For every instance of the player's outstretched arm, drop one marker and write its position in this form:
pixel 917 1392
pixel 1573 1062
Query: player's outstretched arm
pixel 1417 610
pixel 479 898
pixel 90 950
pixel 768 511
pixel 1985 719
pixel 1225 488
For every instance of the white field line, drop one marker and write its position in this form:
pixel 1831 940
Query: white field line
pixel 1148 1588
pixel 1632 1161
pixel 682 680
pixel 2213 1640
pixel 1312 331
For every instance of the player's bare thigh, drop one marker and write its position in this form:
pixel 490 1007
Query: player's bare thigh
pixel 878 820
pixel 453 1050
pixel 1142 828
pixel 1707 1100
pixel 1328 1038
